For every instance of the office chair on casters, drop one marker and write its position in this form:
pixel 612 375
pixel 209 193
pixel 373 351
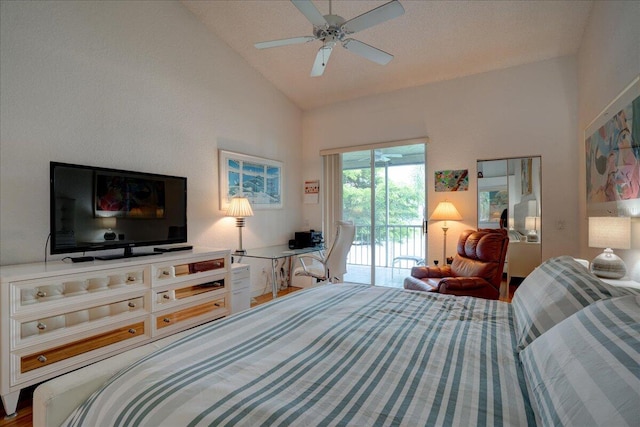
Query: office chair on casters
pixel 333 265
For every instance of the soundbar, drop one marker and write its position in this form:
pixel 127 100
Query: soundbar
pixel 174 249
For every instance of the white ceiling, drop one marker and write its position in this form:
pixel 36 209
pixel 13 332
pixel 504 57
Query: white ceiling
pixel 432 41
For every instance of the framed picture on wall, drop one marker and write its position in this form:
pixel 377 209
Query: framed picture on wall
pixel 256 178
pixel 612 152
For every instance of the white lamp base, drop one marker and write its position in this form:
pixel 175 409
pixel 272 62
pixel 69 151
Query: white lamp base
pixel 608 265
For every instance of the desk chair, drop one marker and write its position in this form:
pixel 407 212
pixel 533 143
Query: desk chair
pixel 333 265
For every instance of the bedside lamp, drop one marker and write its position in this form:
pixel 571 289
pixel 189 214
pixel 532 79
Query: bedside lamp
pixel 531 224
pixel 609 233
pixel 445 211
pixel 240 208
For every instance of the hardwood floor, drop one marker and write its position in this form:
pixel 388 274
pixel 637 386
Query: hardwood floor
pixel 24 417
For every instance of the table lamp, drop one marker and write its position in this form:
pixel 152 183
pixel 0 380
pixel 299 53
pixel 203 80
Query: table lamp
pixel 609 233
pixel 239 208
pixel 531 224
pixel 445 211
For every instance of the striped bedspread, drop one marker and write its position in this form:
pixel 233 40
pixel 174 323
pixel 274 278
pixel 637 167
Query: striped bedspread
pixel 331 355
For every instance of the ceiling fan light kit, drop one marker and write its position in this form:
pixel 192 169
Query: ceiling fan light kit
pixel 332 29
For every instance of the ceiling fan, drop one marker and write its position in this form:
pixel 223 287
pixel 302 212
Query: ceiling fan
pixel 331 29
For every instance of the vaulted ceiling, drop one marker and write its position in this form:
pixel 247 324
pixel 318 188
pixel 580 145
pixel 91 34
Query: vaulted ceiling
pixel 432 41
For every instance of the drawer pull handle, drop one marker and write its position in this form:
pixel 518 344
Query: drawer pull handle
pixel 42 359
pixel 41 294
pixel 132 331
pixel 42 326
pixel 131 279
pixel 165 296
pixel 166 272
pixel 217 304
pixel 132 305
pixel 166 320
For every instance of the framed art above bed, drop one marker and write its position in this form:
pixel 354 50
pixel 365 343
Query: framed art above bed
pixel 612 152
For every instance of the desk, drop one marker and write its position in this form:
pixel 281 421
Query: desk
pixel 275 253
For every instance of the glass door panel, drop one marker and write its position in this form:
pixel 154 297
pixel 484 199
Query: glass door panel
pixel 384 194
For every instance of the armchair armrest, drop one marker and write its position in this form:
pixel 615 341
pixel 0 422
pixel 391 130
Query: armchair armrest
pixel 422 272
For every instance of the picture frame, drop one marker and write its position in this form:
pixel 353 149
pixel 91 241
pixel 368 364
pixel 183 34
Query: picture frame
pixel 258 179
pixel 451 180
pixel 612 155
pixel 491 203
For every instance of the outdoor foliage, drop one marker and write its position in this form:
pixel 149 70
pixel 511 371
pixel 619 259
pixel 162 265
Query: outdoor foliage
pixel 402 207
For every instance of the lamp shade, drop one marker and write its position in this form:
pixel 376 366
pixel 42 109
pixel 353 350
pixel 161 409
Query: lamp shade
pixel 445 211
pixel 239 208
pixel 610 232
pixel 531 222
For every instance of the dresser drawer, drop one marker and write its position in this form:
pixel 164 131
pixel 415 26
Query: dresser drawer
pixel 180 270
pixel 211 309
pixel 37 295
pixel 45 326
pixel 56 354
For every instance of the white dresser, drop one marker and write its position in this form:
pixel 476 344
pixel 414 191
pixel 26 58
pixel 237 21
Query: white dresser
pixel 57 317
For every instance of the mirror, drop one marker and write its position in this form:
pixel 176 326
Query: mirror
pixel 509 193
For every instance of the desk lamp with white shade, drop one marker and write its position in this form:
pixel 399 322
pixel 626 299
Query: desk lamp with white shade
pixel 239 208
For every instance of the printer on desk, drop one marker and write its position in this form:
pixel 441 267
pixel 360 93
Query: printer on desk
pixel 306 239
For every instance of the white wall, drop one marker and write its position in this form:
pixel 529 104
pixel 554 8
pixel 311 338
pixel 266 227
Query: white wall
pixel 608 60
pixel 520 111
pixel 133 85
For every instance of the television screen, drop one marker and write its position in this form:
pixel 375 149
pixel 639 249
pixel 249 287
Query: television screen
pixel 95 208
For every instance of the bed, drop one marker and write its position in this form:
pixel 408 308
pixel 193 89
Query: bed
pixel 357 355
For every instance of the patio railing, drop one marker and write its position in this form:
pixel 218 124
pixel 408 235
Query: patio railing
pixel 391 242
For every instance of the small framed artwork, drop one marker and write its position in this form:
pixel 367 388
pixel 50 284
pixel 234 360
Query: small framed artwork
pixel 258 179
pixel 452 180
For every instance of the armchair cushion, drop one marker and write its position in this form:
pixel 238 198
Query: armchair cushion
pixel 476 269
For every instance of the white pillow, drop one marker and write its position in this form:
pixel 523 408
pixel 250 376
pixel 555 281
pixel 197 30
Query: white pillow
pixel 586 370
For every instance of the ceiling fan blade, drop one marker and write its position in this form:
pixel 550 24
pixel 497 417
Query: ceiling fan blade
pixel 321 60
pixel 369 52
pixel 310 12
pixel 284 42
pixel 387 11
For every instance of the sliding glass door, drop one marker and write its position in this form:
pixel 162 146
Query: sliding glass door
pixel 383 192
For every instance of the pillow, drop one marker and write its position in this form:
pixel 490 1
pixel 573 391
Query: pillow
pixel 554 291
pixel 585 371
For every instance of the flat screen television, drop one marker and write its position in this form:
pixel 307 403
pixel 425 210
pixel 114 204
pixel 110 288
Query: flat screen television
pixel 95 208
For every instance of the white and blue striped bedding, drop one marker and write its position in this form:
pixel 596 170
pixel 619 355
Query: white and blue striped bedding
pixel 332 355
pixel 592 376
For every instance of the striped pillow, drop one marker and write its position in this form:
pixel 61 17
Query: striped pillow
pixel 586 370
pixel 554 291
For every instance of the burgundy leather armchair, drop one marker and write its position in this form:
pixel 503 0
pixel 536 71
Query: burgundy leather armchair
pixel 476 269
